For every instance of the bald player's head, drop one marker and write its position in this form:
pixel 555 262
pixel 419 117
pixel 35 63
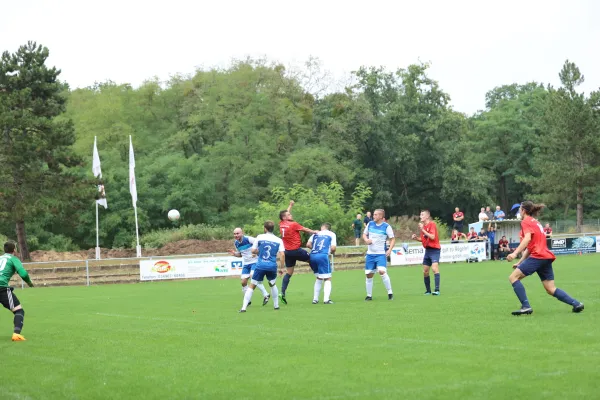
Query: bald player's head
pixel 238 233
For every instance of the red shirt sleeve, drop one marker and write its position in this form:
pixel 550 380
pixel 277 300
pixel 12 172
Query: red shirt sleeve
pixel 296 226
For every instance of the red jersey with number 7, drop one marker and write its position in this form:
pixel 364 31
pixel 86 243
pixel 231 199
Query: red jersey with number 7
pixel 538 248
pixel 290 234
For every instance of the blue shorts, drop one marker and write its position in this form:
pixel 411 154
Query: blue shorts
pixel 259 275
pixel 431 256
pixel 291 256
pixel 247 270
pixel 373 261
pixel 543 267
pixel 319 263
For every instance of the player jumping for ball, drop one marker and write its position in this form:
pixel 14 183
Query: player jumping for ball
pixel 9 264
pixel 375 236
pixel 290 234
pixel 243 249
pixel 536 258
pixel 428 236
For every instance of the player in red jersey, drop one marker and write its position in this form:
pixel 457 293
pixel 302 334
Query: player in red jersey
pixel 290 234
pixel 536 258
pixel 431 242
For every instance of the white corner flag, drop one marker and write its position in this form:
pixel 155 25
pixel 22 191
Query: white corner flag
pixel 133 191
pixel 97 171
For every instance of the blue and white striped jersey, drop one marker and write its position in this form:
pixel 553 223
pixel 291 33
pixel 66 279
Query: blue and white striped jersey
pixel 245 248
pixel 378 234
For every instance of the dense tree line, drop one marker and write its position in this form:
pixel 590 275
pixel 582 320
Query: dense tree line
pixel 213 145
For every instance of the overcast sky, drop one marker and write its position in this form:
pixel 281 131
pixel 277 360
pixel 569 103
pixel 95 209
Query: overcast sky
pixel 473 46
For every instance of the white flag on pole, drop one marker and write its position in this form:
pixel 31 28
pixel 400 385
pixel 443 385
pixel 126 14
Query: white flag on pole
pixel 97 171
pixel 132 185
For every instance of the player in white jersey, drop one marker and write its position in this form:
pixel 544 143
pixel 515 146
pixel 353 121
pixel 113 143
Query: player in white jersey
pixel 270 251
pixel 375 236
pixel 322 244
pixel 243 249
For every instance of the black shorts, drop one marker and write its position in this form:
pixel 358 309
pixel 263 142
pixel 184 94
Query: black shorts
pixel 8 299
pixel 291 256
pixel 458 226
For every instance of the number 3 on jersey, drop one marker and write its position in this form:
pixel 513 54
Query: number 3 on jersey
pixel 267 254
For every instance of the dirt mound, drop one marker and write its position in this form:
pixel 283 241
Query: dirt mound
pixel 181 247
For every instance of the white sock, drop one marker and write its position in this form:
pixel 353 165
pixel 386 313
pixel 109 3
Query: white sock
pixel 318 284
pixel 262 289
pixel 244 288
pixel 370 287
pixel 327 291
pixel 275 296
pixel 387 282
pixel 247 297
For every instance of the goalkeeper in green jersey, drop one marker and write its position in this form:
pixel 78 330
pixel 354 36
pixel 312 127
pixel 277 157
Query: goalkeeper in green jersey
pixel 9 264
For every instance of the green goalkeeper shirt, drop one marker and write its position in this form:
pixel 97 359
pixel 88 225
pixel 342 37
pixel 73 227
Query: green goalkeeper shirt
pixel 10 264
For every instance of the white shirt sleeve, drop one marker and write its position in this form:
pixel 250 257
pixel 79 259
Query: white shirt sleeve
pixel 251 239
pixel 281 248
pixel 310 239
pixel 389 231
pixel 333 239
pixel 255 243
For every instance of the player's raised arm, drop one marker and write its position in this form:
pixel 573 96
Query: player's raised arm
pixel 289 209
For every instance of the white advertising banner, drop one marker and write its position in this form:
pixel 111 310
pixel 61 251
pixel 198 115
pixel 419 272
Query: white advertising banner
pixel 412 254
pixel 183 268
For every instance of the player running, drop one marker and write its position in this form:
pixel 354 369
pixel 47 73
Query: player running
pixel 322 244
pixel 290 234
pixel 430 240
pixel 375 236
pixel 243 249
pixel 536 258
pixel 269 249
pixel 9 264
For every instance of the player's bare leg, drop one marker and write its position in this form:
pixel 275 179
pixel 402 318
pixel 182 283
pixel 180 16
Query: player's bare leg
pixel 427 279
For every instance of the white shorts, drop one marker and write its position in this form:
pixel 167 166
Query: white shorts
pixel 323 276
pixel 372 271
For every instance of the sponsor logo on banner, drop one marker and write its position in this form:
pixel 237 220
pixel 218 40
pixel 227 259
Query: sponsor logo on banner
pixel 413 255
pixel 162 267
pixel 184 268
pixel 584 244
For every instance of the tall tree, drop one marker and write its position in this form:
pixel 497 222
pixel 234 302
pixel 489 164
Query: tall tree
pixel 36 146
pixel 568 161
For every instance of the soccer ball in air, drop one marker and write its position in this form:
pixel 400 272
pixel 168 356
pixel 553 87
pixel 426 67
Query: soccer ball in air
pixel 173 215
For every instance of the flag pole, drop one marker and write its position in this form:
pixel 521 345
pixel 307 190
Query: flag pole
pixel 97 235
pixel 138 248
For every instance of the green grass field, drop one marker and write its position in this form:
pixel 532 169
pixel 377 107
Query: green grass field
pixel 186 340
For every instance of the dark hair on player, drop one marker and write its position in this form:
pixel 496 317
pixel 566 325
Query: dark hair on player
pixel 9 247
pixel 281 214
pixel 269 226
pixel 531 208
pixel 327 225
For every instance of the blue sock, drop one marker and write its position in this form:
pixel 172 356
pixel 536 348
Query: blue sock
pixel 286 282
pixel 427 281
pixel 564 297
pixel 436 278
pixel 520 292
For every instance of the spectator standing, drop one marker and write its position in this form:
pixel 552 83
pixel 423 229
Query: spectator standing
pixel 499 214
pixel 458 218
pixel 357 227
pixel 548 231
pixel 489 213
pixel 367 219
pixel 491 235
pixel 482 215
